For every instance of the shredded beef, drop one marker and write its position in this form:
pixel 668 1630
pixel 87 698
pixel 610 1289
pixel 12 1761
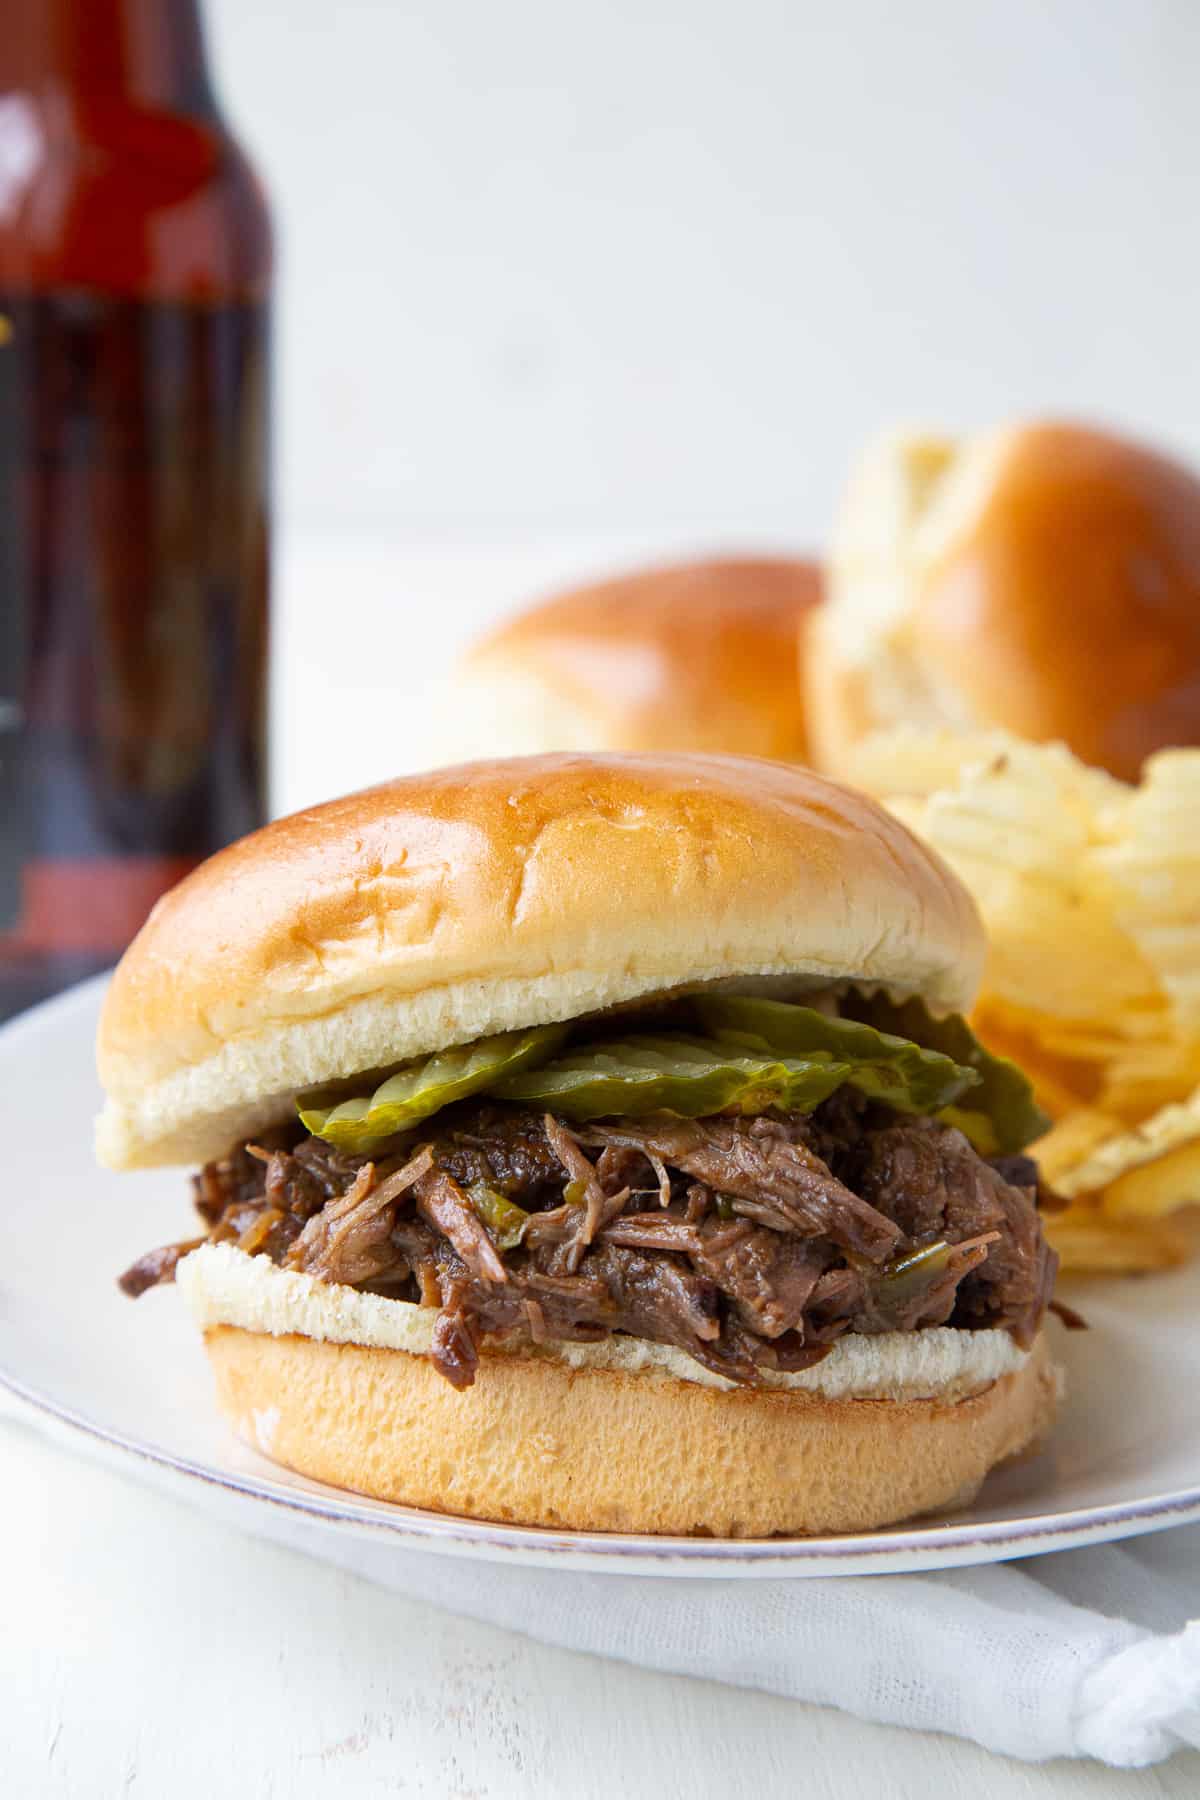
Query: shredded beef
pixel 759 1161
pixel 454 1350
pixel 442 1204
pixel 750 1244
pixel 155 1267
pixel 505 1147
pixel 935 1186
pixel 769 1279
pixel 590 1207
pixel 350 1240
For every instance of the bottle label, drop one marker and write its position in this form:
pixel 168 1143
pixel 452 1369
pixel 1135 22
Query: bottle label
pixel 133 594
pixel 13 623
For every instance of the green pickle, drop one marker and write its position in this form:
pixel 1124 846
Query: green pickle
pixel 909 1076
pixel 687 1076
pixel 760 1054
pixel 1001 1115
pixel 977 1128
pixel 361 1123
pixel 901 1053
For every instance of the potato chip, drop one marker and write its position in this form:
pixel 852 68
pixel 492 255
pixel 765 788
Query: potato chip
pixel 1166 1185
pixel 1141 1080
pixel 1023 829
pixel 908 764
pixel 1070 1140
pixel 1090 892
pixel 1011 817
pixel 1090 1244
pixel 1166 1131
pixel 1154 865
pixel 1062 1082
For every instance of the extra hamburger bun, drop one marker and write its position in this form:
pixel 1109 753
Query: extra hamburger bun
pixel 618 1436
pixel 1040 578
pixel 696 656
pixel 447 906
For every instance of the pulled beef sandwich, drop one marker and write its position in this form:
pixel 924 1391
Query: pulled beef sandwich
pixel 594 1141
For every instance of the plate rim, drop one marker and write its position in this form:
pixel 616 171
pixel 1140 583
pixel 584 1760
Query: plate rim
pixel 920 1549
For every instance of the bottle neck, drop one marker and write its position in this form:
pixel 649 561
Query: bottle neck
pixel 149 52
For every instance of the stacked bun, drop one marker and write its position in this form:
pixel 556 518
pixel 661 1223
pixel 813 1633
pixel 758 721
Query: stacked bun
pixel 1043 579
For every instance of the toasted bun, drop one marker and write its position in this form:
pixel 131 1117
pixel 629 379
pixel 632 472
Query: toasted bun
pixel 477 899
pixel 538 1442
pixel 700 656
pixel 1044 579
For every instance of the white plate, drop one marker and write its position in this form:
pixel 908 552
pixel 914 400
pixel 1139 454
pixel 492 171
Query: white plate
pixel 132 1377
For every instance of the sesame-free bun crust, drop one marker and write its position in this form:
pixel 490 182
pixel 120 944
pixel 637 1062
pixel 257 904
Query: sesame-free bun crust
pixel 1042 578
pixel 489 896
pixel 537 1442
pixel 693 656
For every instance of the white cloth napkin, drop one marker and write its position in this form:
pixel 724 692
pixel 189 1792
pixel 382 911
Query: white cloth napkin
pixel 1085 1653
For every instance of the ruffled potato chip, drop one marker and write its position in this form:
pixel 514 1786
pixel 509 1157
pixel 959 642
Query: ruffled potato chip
pixel 1167 1185
pixel 1068 1142
pixel 1106 1162
pixel 1026 830
pixel 1088 1243
pixel 1154 865
pixel 908 764
pixel 1142 1080
pixel 1090 892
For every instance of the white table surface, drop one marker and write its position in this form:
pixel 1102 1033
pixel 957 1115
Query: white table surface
pixel 146 1649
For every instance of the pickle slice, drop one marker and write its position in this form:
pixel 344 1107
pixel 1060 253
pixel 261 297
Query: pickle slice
pixel 413 1093
pixel 1001 1115
pixel 911 1077
pixel 688 1076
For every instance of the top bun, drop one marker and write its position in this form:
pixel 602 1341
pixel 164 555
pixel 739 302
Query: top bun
pixel 1043 579
pixel 700 656
pixel 477 899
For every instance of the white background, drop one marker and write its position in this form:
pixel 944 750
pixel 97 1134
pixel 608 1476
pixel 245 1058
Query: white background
pixel 654 264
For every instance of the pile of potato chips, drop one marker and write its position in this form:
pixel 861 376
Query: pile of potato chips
pixel 1090 891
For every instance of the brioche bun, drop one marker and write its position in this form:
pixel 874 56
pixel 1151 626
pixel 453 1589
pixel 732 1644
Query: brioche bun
pixel 1041 578
pixel 478 899
pixel 611 1436
pixel 697 656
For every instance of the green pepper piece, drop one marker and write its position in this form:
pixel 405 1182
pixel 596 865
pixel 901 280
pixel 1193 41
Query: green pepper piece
pixel 687 1076
pixel 505 1220
pixel 1003 1115
pixel 908 1076
pixel 362 1122
pixel 901 1279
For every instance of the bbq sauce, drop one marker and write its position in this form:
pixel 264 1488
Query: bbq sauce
pixel 135 268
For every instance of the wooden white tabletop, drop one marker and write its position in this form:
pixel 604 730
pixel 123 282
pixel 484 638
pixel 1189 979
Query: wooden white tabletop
pixel 146 1649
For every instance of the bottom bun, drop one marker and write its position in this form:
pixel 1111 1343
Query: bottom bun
pixel 536 1442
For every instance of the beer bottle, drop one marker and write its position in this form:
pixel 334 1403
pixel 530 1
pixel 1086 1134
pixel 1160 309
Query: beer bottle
pixel 135 272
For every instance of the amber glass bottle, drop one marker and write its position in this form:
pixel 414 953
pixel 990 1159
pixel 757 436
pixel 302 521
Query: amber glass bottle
pixel 135 269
